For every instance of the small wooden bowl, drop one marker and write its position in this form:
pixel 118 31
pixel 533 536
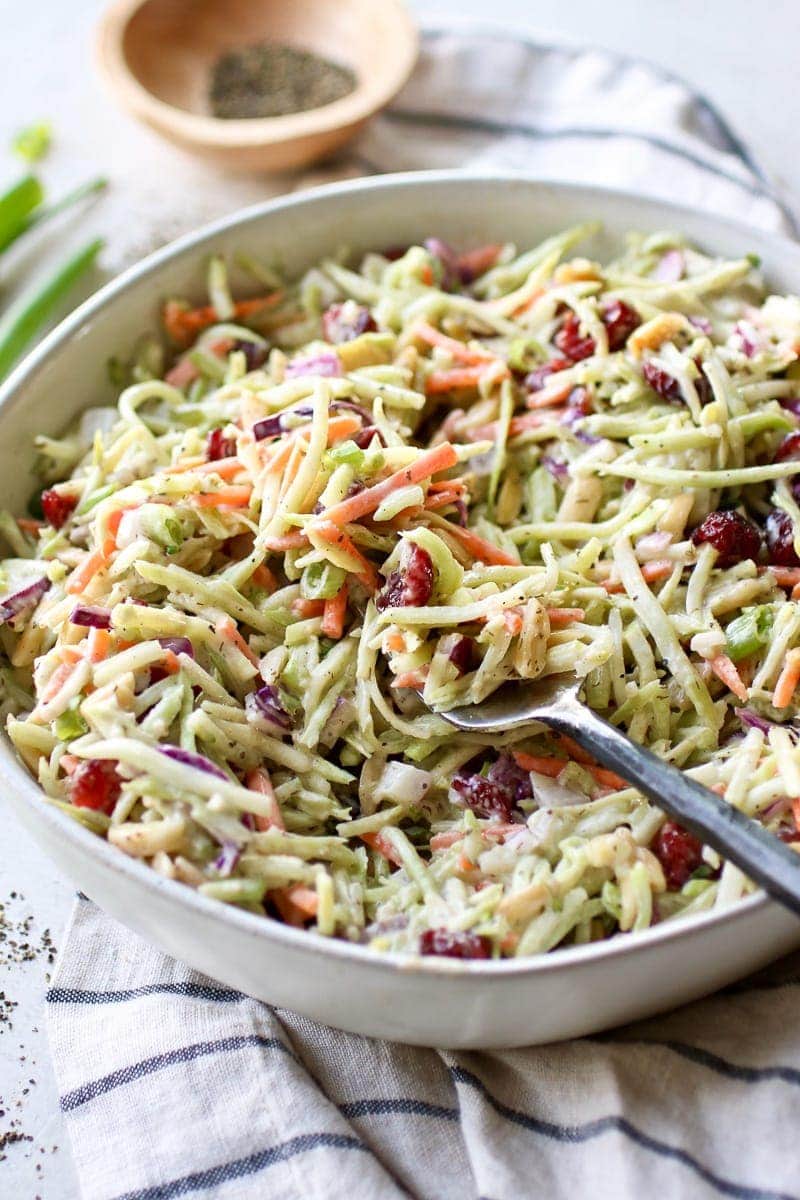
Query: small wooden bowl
pixel 157 56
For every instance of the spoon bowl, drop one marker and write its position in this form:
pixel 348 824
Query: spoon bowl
pixel 554 701
pixel 157 56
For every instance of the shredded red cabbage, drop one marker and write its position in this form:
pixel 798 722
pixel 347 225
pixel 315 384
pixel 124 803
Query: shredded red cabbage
pixel 178 645
pixel 266 703
pixel 190 759
pixel 25 598
pixel 227 859
pixel 327 362
pixel 91 617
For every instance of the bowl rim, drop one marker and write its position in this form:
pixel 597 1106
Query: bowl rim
pixel 368 96
pixel 15 776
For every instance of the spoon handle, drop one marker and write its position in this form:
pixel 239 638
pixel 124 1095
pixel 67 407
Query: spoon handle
pixel 759 853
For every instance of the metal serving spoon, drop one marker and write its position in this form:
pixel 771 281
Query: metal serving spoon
pixel 554 702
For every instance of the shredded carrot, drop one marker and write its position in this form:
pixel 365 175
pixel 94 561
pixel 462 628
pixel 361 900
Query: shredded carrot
pixel 795 808
pixel 229 497
pixel 528 304
pixel 307 608
pixel 517 425
pixel 376 841
pixel 289 912
pixel 342 427
pixel 171 664
pixel 426 275
pixel 575 752
pixel 796 592
pixel 725 670
pixel 334 614
pixel 480 549
pixel 226 629
pixel 409 679
pixel 442 841
pixel 457 350
pixel 98 644
pixel 512 620
pixel 112 529
pixel 447 485
pixel 554 766
pixel 30 524
pixel 443 498
pixel 786 576
pixel 259 780
pixel 363 569
pixel 660 568
pixel 304 898
pixel 457 377
pixel 56 681
pixel 185 324
pixel 184 372
pixel 82 575
pixel 287 541
pixel 263 578
pixel 226 468
pixel 788 680
pixel 548 399
pixel 430 462
pixel 564 616
pixel 396 642
pixel 465 865
pixel 476 262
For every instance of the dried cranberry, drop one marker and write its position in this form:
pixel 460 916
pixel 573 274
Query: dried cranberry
pixel 455 945
pixel 95 784
pixel 218 446
pixel 255 355
pixel 393 253
pixel 571 343
pixel 536 379
pixel 679 852
pixel 662 383
pixel 463 655
pixel 789 449
pixel 484 797
pixel 779 534
pixel 412 585
pixel 363 438
pixel 666 386
pixel 343 322
pixel 620 321
pixel 732 536
pixel 507 773
pixel 57 508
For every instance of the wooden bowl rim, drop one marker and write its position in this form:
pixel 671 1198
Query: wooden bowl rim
pixel 370 94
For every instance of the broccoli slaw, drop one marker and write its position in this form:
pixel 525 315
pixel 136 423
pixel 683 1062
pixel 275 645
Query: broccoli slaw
pixel 321 515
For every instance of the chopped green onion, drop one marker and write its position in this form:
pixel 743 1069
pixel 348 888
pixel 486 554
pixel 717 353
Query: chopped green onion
pixel 748 632
pixel 16 206
pixel 33 142
pixel 346 452
pixel 70 724
pixel 20 324
pixel 321 581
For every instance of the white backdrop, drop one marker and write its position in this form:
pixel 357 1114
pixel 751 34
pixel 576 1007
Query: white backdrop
pixel 742 56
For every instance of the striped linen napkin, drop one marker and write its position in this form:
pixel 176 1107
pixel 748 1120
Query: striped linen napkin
pixel 173 1085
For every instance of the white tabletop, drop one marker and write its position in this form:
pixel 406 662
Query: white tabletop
pixel 745 63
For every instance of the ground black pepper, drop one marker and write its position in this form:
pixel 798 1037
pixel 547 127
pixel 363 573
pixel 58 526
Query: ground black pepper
pixel 273 80
pixel 21 943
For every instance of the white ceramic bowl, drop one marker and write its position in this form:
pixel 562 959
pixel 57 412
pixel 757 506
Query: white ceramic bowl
pixel 441 1002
